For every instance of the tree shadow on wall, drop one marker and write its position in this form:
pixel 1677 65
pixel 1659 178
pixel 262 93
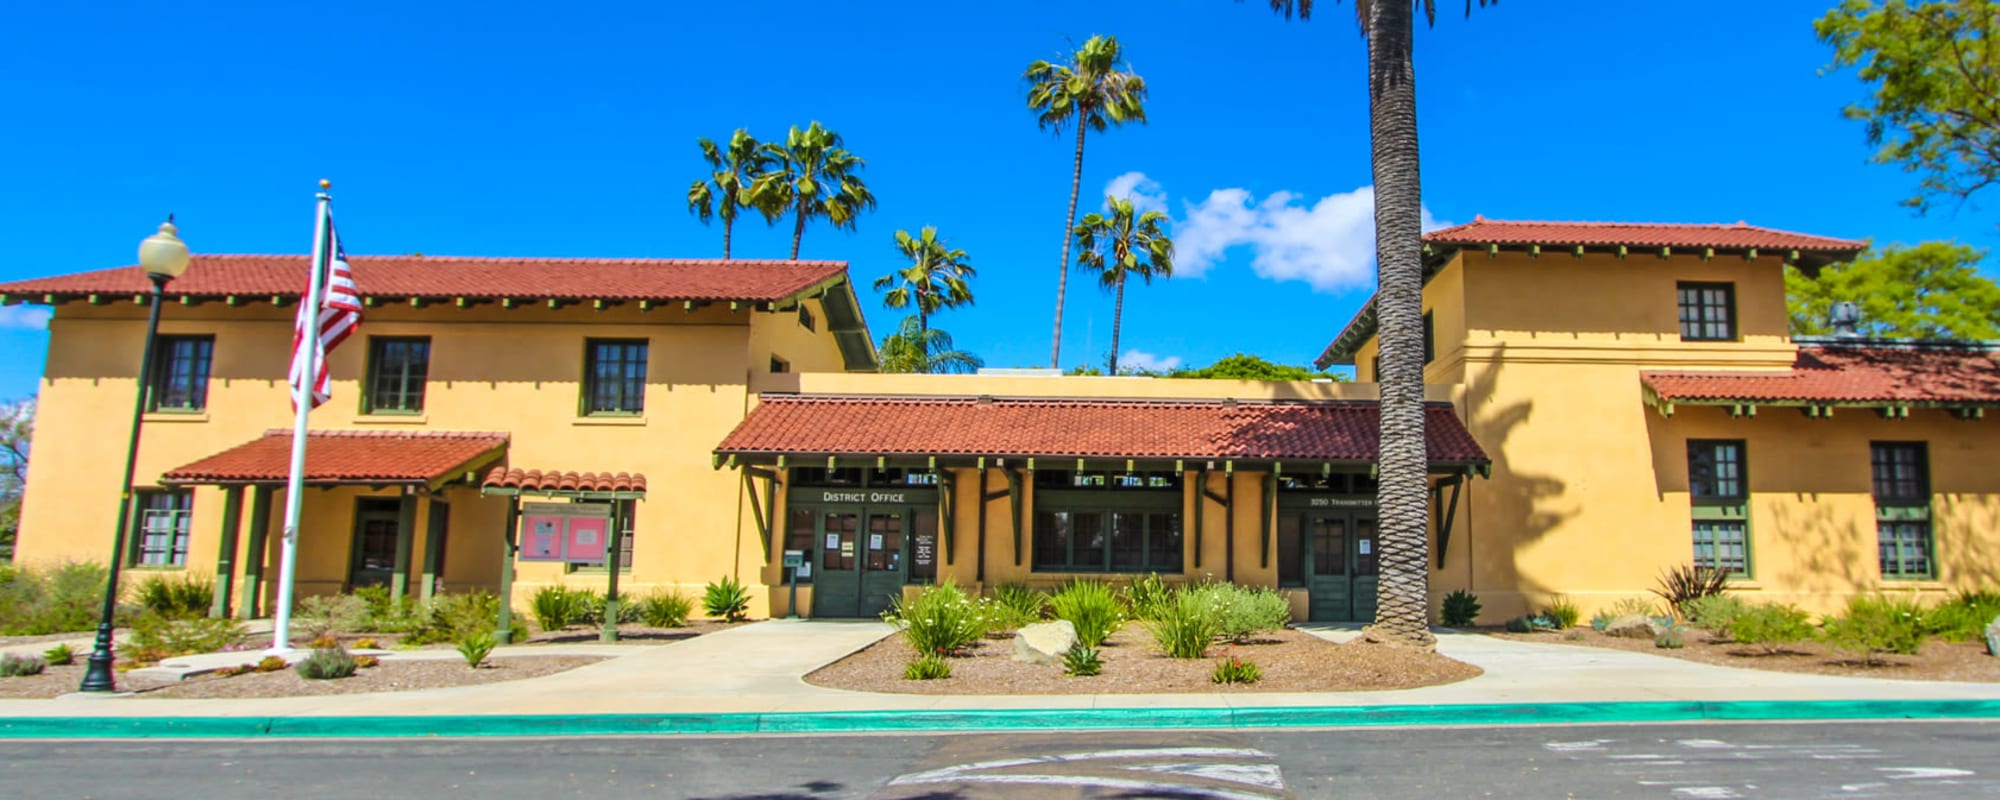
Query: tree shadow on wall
pixel 1532 503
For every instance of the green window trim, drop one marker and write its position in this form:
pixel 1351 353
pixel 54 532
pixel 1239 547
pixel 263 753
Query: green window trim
pixel 614 378
pixel 1707 311
pixel 398 374
pixel 179 383
pixel 1719 500
pixel 1905 536
pixel 162 525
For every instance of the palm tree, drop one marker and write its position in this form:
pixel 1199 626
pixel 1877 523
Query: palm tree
pixel 1403 599
pixel 815 176
pixel 915 348
pixel 733 175
pixel 1094 91
pixel 1123 245
pixel 935 278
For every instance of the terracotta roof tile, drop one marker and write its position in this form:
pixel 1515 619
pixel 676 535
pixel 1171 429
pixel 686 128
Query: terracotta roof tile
pixel 1739 236
pixel 447 277
pixel 1159 429
pixel 345 457
pixel 1858 373
pixel 556 480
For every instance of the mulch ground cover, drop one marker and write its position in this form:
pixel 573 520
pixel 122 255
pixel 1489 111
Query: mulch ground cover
pixel 389 676
pixel 1935 661
pixel 1291 661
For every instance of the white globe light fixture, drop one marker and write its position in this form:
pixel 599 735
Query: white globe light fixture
pixel 164 255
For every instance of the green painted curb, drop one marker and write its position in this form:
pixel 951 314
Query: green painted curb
pixel 981 720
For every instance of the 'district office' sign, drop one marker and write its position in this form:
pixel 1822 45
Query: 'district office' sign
pixel 850 496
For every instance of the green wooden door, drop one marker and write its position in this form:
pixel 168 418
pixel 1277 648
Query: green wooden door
pixel 1328 581
pixel 1365 558
pixel 837 581
pixel 882 568
pixel 375 533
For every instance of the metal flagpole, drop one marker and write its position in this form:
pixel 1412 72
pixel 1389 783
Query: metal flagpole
pixel 302 396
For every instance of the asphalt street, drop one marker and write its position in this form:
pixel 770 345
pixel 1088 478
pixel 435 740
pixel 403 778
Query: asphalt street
pixel 1680 761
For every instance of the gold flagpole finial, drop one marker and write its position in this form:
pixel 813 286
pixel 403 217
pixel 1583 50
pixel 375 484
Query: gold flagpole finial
pixel 325 184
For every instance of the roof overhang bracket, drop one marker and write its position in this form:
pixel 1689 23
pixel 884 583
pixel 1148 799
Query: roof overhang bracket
pixel 1741 410
pixel 1969 413
pixel 1894 411
pixel 1448 513
pixel 763 510
pixel 1014 501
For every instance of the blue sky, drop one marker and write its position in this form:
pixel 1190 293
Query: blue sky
pixel 549 130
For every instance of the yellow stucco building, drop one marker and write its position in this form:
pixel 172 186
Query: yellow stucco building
pixel 1607 401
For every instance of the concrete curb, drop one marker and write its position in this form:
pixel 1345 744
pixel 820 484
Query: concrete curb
pixel 982 720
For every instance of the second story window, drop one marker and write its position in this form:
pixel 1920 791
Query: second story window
pixel 397 370
pixel 779 365
pixel 614 376
pixel 1430 339
pixel 180 373
pixel 1708 312
pixel 1902 483
pixel 805 317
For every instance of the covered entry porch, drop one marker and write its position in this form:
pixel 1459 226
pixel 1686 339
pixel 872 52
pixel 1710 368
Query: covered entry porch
pixel 868 495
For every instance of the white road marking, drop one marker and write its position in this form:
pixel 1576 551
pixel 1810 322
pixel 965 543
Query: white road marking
pixel 1862 787
pixel 1255 770
pixel 1263 775
pixel 1923 773
pixel 1579 747
pixel 1162 789
pixel 1707 793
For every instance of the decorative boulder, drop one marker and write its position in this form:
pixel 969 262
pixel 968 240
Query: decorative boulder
pixel 1044 642
pixel 1993 637
pixel 1632 626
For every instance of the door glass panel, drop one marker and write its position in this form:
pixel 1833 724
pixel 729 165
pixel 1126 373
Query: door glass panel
pixel 1163 542
pixel 885 542
pixel 799 536
pixel 1128 541
pixel 1091 541
pixel 1329 543
pixel 378 544
pixel 1291 551
pixel 837 550
pixel 1052 537
pixel 1367 557
pixel 923 546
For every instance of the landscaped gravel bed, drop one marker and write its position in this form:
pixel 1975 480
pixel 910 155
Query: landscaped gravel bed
pixel 389 676
pixel 1292 661
pixel 1936 661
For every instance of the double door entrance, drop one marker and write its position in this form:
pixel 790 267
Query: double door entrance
pixel 862 556
pixel 1336 560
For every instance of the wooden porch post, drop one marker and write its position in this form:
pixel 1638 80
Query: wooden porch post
pixel 225 550
pixel 406 542
pixel 436 519
pixel 505 633
pixel 613 547
pixel 253 559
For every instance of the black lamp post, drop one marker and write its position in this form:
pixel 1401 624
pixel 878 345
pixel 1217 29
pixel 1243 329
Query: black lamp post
pixel 164 257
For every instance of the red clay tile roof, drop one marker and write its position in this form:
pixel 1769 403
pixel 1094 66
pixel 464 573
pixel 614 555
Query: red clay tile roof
pixel 1860 373
pixel 555 480
pixel 346 457
pixel 1740 236
pixel 1151 429
pixel 449 277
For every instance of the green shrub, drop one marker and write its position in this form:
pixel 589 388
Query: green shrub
pixel 1875 624
pixel 1082 662
pixel 593 610
pixel 939 620
pixel 1461 609
pixel 557 607
pixel 1147 597
pixel 1686 582
pixel 13 666
pixel 1771 626
pixel 1520 625
pixel 324 615
pixel 60 599
pixel 452 617
pixel 1562 613
pixel 1242 612
pixel 270 664
pixel 177 597
pixel 325 663
pixel 665 609
pixel 475 646
pixel 1716 612
pixel 59 656
pixel 1092 607
pixel 1634 605
pixel 927 667
pixel 1186 626
pixel 386 614
pixel 1236 670
pixel 1012 606
pixel 1669 639
pixel 726 599
pixel 155 636
pixel 1964 617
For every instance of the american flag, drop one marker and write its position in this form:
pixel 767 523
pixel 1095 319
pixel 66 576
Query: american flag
pixel 339 314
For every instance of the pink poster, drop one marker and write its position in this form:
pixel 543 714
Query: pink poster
pixel 586 540
pixel 542 538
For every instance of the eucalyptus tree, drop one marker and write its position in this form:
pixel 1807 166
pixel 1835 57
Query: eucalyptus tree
pixel 813 176
pixel 1120 245
pixel 1403 607
pixel 934 280
pixel 730 186
pixel 915 348
pixel 1093 91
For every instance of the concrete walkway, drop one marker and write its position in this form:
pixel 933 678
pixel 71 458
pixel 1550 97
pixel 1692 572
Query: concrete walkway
pixel 758 668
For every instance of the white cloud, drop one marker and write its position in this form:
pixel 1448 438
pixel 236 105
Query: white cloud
pixel 1145 193
pixel 24 318
pixel 1140 359
pixel 1329 244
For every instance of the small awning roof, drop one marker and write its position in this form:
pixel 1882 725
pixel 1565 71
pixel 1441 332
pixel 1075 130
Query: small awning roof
pixel 345 458
pixel 558 483
pixel 957 429
pixel 1848 372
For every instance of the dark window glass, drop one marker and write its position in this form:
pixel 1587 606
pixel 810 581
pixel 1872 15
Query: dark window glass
pixel 779 365
pixel 1362 484
pixel 1901 475
pixel 844 528
pixel 821 476
pixel 1715 470
pixel 1721 545
pixel 1128 542
pixel 1905 547
pixel 180 373
pixel 805 317
pixel 397 370
pixel 1329 543
pixel 799 536
pixel 1708 312
pixel 923 545
pixel 1052 538
pixel 1066 479
pixel 885 542
pixel 1367 556
pixel 1291 552
pixel 163 528
pixel 1430 339
pixel 1163 542
pixel 615 377
pixel 1335 483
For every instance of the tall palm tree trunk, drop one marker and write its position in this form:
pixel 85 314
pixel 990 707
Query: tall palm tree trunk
pixel 798 232
pixel 1117 319
pixel 1069 222
pixel 1404 596
pixel 727 225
